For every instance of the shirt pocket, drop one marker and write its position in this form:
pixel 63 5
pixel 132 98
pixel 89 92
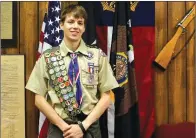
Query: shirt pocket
pixel 89 80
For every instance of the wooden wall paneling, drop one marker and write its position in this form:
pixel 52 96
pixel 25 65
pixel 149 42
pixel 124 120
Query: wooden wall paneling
pixel 14 50
pixel 190 67
pixel 177 68
pixel 160 79
pixel 28 43
pixel 67 3
pixel 42 8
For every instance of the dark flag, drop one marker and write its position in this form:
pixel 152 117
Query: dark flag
pixel 89 35
pixel 122 61
pixel 143 29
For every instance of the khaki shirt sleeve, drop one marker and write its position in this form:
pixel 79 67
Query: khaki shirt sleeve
pixel 38 80
pixel 107 81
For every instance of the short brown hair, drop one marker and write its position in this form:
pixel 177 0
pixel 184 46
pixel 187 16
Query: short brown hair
pixel 76 10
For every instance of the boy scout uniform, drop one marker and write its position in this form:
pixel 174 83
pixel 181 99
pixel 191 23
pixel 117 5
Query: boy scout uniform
pixel 96 77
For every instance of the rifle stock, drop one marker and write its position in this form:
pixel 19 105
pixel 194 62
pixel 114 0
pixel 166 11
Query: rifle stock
pixel 164 57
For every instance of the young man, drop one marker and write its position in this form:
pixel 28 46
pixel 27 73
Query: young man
pixel 77 79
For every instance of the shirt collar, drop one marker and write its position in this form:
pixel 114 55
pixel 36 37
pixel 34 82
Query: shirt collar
pixel 81 49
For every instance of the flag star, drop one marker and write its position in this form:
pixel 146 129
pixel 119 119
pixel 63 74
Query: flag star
pixel 50 22
pixel 46 35
pixel 52 31
pixel 57 9
pixel 57 19
pixel 52 9
pixel 53 36
pixel 57 29
pixel 58 39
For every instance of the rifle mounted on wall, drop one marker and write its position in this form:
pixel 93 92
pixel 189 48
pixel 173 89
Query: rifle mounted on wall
pixel 164 57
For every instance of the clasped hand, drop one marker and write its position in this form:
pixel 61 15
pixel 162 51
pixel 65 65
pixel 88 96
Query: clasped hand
pixel 74 131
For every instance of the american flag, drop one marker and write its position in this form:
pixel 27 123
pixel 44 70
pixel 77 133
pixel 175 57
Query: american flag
pixel 51 36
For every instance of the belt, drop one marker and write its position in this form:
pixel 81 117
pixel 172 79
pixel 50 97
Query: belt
pixel 80 117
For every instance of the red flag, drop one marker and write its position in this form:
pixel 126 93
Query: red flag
pixel 143 28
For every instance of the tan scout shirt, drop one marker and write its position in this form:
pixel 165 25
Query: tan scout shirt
pixel 103 77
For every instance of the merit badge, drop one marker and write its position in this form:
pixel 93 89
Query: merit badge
pixel 53 59
pixel 78 111
pixel 68 88
pixel 60 79
pixel 59 57
pixel 57 52
pixel 75 105
pixel 58 74
pixel 62 67
pixel 63 91
pixel 73 100
pixel 65 96
pixel 55 82
pixel 70 108
pixel 65 78
pixel 67 83
pixel 52 54
pixel 55 64
pixel 53 77
pixel 67 102
pixel 64 72
pixel 56 88
pixel 62 85
pixel 50 65
pixel 51 71
pixel 60 62
pixel 57 69
pixel 47 54
pixel 71 94
pixel 58 93
pixel 47 60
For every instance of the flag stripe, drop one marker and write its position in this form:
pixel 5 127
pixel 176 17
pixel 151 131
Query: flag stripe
pixel 102 37
pixel 109 40
pixel 111 108
pixel 144 41
pixel 50 36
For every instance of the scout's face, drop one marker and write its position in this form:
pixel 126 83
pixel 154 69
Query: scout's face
pixel 73 28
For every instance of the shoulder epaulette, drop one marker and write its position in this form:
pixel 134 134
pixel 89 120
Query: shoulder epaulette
pixel 53 49
pixel 93 46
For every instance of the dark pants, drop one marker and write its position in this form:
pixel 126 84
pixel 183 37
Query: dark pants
pixel 92 132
